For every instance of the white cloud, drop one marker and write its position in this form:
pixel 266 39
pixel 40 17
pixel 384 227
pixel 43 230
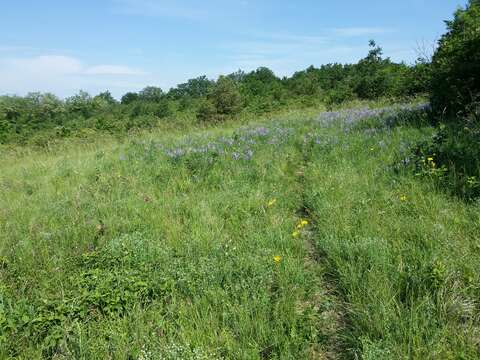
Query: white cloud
pixel 64 75
pixel 359 31
pixel 8 48
pixel 113 70
pixel 286 53
pixel 47 64
pixel 292 38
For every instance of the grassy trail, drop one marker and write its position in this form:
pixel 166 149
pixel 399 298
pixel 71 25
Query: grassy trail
pixel 179 248
pixel 292 239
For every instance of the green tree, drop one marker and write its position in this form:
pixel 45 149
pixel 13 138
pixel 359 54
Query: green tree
pixel 193 88
pixel 226 96
pixel 129 98
pixel 206 111
pixel 455 101
pixel 81 103
pixel 456 64
pixel 151 93
pixel 107 97
pixel 371 79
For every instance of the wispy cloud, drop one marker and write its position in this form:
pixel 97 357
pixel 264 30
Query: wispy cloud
pixel 67 65
pixel 113 70
pixel 10 49
pixel 286 53
pixel 46 64
pixel 291 38
pixel 359 31
pixel 63 75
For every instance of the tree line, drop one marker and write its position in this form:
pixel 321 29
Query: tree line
pixel 36 117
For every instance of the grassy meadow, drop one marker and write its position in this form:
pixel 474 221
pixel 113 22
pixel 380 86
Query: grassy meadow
pixel 298 237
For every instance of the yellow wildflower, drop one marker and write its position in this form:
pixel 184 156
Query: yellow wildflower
pixel 302 224
pixel 296 234
pixel 403 198
pixel 430 158
pixel 271 202
pixel 277 259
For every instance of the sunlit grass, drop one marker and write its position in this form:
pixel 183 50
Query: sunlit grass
pixel 289 238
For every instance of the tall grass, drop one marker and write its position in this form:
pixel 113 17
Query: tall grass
pixel 190 245
pixel 134 251
pixel 403 255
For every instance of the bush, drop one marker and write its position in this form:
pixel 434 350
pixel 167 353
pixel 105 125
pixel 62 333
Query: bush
pixel 417 79
pixel 222 102
pixel 371 80
pixel 206 111
pixel 456 65
pixel 163 109
pixel 451 159
pixel 151 93
pixel 339 94
pixel 129 97
pixel 452 156
pixel 226 97
pixel 81 104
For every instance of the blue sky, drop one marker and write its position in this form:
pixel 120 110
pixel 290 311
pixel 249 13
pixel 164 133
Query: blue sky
pixel 123 45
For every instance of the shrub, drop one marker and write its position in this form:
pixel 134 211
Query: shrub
pixel 455 99
pixel 226 97
pixel 129 97
pixel 456 64
pixel 142 121
pixel 163 109
pixel 194 88
pixel 416 79
pixel 370 78
pixel 107 97
pixel 222 102
pixel 451 159
pixel 206 111
pixel 151 93
pixel 339 94
pixel 81 104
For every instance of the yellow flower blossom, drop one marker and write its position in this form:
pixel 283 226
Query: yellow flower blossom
pixel 403 198
pixel 296 234
pixel 302 224
pixel 277 259
pixel 272 202
pixel 430 158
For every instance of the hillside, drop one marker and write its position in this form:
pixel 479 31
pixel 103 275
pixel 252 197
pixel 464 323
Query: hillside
pixel 300 237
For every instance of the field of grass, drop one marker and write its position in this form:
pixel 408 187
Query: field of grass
pixel 294 238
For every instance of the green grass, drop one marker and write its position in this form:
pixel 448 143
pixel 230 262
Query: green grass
pixel 404 256
pixel 119 251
